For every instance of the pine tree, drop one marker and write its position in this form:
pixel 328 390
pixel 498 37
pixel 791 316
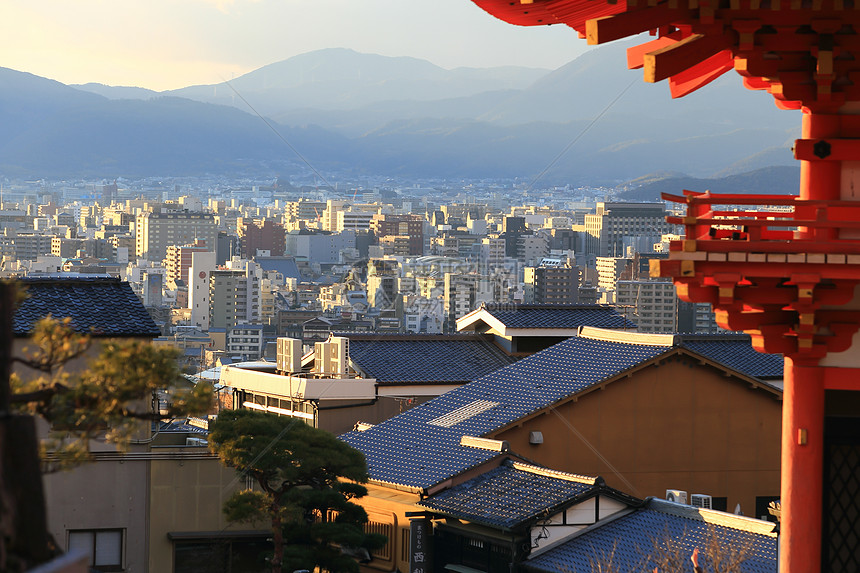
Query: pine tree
pixel 298 469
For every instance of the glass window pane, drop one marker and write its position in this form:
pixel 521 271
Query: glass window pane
pixel 81 541
pixel 108 548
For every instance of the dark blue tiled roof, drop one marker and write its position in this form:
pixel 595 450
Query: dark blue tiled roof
pixel 559 316
pixel 426 358
pixel 420 447
pixel 100 306
pixel 510 495
pixel 737 353
pixel 285 265
pixel 629 541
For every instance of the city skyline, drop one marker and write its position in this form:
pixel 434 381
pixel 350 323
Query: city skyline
pixel 163 45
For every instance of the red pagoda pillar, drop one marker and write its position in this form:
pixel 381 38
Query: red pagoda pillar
pixel 783 268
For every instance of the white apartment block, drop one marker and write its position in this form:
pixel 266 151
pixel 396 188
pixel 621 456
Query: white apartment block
pixel 493 252
pixel 202 265
pixel 607 228
pixel 154 232
pixel 355 219
pixel 610 270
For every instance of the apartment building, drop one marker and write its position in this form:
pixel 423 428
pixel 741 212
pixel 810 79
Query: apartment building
pixel 154 232
pixel 264 235
pixel 177 259
pixel 612 222
pixel 464 292
pixel 551 284
pixel 652 305
pixel 234 296
pixel 410 226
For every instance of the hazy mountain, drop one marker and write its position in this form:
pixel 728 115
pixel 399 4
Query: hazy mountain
pixel 590 121
pixel 49 129
pixel 767 181
pixel 338 79
pixel 116 92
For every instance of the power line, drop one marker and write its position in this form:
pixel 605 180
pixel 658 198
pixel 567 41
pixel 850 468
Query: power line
pixel 580 134
pixel 278 133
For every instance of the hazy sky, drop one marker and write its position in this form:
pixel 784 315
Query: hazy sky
pixel 166 44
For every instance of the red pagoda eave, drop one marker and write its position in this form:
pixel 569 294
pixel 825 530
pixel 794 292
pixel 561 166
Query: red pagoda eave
pixel 776 274
pixel 803 53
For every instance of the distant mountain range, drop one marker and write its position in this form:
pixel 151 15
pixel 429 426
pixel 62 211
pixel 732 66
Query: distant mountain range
pixel 397 116
pixel 764 181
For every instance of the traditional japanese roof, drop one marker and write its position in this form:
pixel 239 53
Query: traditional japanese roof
pixel 422 447
pixel 438 359
pixel 737 353
pixel 97 305
pixel 626 542
pixel 566 318
pixel 516 494
pixel 285 265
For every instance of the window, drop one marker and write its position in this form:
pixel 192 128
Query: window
pixel 104 547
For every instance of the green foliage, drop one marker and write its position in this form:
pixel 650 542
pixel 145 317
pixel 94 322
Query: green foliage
pixel 299 470
pixel 106 399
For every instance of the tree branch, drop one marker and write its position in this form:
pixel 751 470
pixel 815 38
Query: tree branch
pixel 41 395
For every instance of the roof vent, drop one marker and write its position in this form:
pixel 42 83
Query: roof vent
pixel 463 413
pixel 485 444
pixel 535 438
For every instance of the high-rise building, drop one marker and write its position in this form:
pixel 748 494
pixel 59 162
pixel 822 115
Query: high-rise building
pixel 652 305
pixel 156 231
pixel 411 226
pixel 177 260
pixel 464 292
pixel 552 284
pixel 202 265
pixel 611 269
pixel 612 222
pixel 264 235
pixel 234 296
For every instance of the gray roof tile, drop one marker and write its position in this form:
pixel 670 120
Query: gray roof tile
pixel 631 541
pixel 736 352
pixel 426 358
pixel 410 450
pixel 559 316
pixel 511 495
pixel 99 306
pixel 421 447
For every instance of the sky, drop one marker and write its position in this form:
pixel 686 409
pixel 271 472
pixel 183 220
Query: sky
pixel 169 44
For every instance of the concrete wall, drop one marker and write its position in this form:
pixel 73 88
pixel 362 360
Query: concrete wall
pixel 102 495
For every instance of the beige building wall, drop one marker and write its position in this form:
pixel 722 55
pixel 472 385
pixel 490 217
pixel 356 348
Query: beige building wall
pixel 680 425
pixel 107 494
pixel 187 494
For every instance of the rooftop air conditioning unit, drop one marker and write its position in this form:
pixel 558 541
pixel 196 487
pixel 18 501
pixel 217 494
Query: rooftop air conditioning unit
pixel 676 496
pixel 701 500
pixel 289 356
pixel 322 358
pixel 338 347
